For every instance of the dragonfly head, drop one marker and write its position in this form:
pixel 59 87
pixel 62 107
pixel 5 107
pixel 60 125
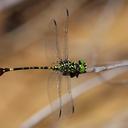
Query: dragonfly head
pixel 78 68
pixel 82 66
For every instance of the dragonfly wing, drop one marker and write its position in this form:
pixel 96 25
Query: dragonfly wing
pixel 66 29
pixel 54 94
pixel 65 96
pixel 51 42
pixel 64 37
pixel 56 40
pixel 60 95
pixel 69 88
pixel 69 106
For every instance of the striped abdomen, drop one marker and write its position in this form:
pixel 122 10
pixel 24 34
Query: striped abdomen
pixel 3 70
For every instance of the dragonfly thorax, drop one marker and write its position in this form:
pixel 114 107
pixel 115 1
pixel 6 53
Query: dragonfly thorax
pixel 69 68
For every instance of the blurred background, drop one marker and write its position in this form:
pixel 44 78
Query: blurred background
pixel 97 33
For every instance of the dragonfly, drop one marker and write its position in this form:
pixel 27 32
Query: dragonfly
pixel 64 67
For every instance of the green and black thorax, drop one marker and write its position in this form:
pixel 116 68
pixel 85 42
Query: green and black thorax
pixel 69 68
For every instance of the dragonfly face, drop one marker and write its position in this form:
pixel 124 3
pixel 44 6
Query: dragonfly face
pixel 69 68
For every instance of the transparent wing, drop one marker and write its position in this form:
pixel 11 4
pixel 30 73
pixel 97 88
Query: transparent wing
pixel 70 104
pixel 51 44
pixel 60 95
pixel 66 30
pixel 55 94
pixel 56 42
pixel 66 96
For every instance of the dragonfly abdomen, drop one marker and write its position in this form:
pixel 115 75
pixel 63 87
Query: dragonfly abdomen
pixel 3 70
pixel 27 68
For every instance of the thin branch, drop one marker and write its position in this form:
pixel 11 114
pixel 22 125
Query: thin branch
pixel 120 64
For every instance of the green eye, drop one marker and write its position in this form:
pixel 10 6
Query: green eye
pixel 82 66
pixel 82 69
